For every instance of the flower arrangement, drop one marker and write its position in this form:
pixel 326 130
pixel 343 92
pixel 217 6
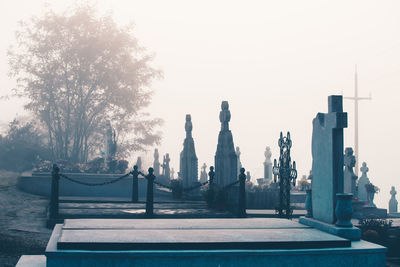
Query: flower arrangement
pixel 372 188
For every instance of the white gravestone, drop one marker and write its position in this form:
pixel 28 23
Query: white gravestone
pixel 327 153
pixel 393 202
pixel 362 191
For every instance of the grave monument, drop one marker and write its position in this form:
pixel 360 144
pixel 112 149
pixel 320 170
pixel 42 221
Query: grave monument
pixel 110 145
pixel 188 160
pixel 268 164
pixel 239 164
pixel 393 202
pixel 139 163
pixel 156 163
pixel 350 178
pixel 165 166
pixel 364 180
pixel 203 174
pixel 226 162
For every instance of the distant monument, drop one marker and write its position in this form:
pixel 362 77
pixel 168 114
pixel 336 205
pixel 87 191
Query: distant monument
pixel 239 164
pixel 226 162
pixel 268 164
pixel 203 174
pixel 350 178
pixel 110 145
pixel 165 166
pixel 139 163
pixel 172 173
pixel 393 202
pixel 248 177
pixel 364 180
pixel 188 159
pixel 156 163
pixel 327 153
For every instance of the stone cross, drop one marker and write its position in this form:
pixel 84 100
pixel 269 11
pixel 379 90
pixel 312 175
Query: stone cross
pixel 327 153
pixel 226 162
pixel 156 164
pixel 393 201
pixel 188 160
pixel 362 191
pixel 268 163
pixel 350 178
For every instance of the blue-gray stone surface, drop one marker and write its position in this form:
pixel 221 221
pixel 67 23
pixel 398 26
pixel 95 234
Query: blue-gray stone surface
pixel 327 153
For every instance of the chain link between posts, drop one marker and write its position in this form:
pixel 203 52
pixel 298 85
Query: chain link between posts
pixel 96 184
pixel 184 189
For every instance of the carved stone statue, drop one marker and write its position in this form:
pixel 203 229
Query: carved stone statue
pixel 226 163
pixel 393 202
pixel 139 163
pixel 238 158
pixel 188 160
pixel 203 174
pixel 350 178
pixel 268 163
pixel 156 163
pixel 110 145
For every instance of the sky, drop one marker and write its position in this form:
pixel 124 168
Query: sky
pixel 276 62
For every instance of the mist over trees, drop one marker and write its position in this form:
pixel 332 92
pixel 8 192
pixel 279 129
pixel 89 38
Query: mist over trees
pixel 78 70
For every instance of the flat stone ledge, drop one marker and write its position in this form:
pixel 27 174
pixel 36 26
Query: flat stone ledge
pixel 352 233
pixel 31 261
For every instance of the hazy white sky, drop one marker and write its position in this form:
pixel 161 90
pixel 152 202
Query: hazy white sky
pixel 276 62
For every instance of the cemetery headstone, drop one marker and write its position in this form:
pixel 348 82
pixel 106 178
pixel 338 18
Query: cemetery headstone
pixel 393 201
pixel 268 163
pixel 110 145
pixel 188 160
pixel 364 180
pixel 165 166
pixel 327 154
pixel 248 176
pixel 156 163
pixel 226 164
pixel 172 173
pixel 239 164
pixel 350 178
pixel 139 163
pixel 203 174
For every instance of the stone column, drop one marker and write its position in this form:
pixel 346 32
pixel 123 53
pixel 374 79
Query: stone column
pixel 225 157
pixel 188 160
pixel 156 163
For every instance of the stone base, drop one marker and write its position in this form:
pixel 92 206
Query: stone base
pixel 352 233
pixel 394 215
pixel 256 242
pixel 373 212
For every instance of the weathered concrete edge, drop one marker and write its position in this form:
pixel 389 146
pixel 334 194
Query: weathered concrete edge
pixel 31 261
pixel 352 233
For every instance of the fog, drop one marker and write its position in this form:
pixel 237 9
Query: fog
pixel 276 62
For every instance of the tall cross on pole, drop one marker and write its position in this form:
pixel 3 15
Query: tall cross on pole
pixel 356 98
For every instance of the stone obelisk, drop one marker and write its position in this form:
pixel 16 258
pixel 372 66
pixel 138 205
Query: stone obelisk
pixel 226 162
pixel 188 160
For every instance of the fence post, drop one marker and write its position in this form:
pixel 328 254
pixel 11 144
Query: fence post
pixel 242 194
pixel 150 193
pixel 135 184
pixel 55 175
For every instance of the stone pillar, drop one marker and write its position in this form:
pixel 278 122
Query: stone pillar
pixel 225 157
pixel 165 166
pixel 150 193
pixel 188 160
pixel 393 202
pixel 327 153
pixel 268 164
pixel 54 201
pixel 242 194
pixel 350 178
pixel 156 163
pixel 139 163
pixel 364 180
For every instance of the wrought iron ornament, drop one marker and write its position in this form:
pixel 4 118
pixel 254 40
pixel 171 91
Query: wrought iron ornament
pixel 286 173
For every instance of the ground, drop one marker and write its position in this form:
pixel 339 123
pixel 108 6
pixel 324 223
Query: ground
pixel 23 223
